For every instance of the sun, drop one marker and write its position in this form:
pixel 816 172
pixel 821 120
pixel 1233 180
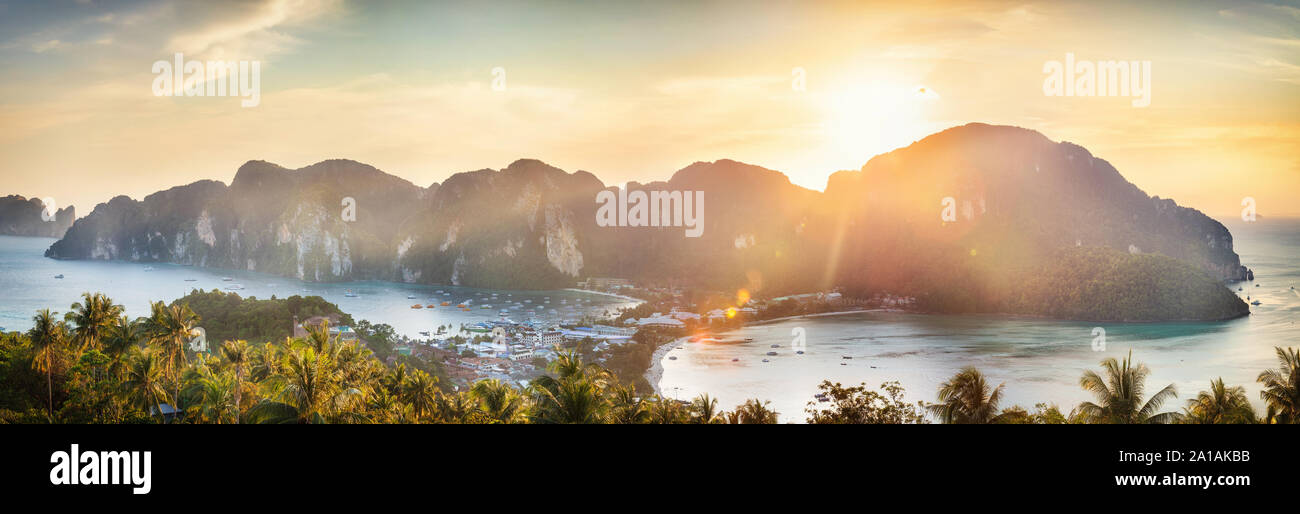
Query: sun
pixel 871 118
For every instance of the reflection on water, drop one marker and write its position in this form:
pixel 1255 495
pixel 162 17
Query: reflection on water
pixel 1039 360
pixel 27 282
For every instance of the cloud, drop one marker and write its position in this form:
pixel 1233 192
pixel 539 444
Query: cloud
pixel 250 31
pixel 46 46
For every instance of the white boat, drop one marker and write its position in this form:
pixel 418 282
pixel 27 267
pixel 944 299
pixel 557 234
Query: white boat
pixel 226 279
pixel 60 275
pixel 148 268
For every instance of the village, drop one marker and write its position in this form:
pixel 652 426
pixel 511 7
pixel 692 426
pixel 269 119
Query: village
pixel 517 352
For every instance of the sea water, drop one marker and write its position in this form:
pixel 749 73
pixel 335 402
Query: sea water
pixel 27 284
pixel 1040 361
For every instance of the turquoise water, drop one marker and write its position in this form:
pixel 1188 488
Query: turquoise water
pixel 1040 361
pixel 27 284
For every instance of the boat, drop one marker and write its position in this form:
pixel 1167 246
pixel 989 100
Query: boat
pixel 227 279
pixel 191 280
pixel 444 304
pixel 460 306
pixel 672 357
pixel 735 360
pixel 776 346
pixel 148 268
pixel 771 353
pixel 424 333
pixel 350 294
pixel 234 287
pixel 765 360
pixel 60 275
pixel 844 364
pixel 410 297
pixel 799 352
pixel 1256 302
pixel 417 306
pixel 431 306
pixel 846 356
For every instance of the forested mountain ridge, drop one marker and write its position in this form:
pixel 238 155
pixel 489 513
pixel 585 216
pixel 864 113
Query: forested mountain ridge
pixel 960 220
pixel 21 216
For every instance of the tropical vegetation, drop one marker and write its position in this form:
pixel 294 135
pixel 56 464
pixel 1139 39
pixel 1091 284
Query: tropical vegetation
pixel 96 365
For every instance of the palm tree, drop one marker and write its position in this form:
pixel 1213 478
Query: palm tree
pixel 319 337
pixel 667 411
pixel 310 392
pixel 237 354
pixel 123 335
pixel 216 399
pixel 266 363
pixel 966 398
pixel 753 412
pixel 626 408
pixel 170 327
pixel 498 400
pixel 421 392
pixel 459 407
pixel 704 410
pixel 393 380
pixel 574 395
pixel 1120 394
pixel 143 382
pixel 47 335
pixel 1220 405
pixel 91 319
pixel 1282 388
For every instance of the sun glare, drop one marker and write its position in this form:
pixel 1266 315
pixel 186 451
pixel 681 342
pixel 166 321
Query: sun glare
pixel 873 118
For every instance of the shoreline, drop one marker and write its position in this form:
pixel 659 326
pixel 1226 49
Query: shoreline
pixel 656 371
pixel 619 296
pixel 819 315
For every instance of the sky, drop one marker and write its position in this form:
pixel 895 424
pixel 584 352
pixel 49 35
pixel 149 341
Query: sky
pixel 636 91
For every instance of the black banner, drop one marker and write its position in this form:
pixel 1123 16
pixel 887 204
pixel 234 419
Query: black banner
pixel 327 464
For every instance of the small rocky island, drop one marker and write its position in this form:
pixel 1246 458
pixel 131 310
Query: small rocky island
pixel 21 216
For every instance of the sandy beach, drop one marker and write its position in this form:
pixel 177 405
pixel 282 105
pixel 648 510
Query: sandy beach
pixel 619 296
pixel 822 314
pixel 656 370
